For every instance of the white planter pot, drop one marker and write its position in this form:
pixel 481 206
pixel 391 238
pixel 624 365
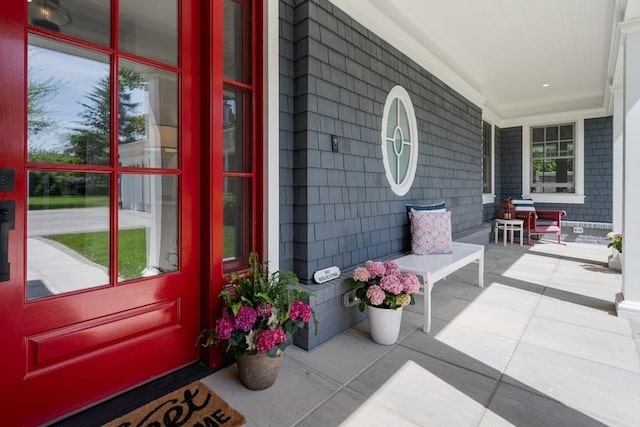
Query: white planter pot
pixel 384 324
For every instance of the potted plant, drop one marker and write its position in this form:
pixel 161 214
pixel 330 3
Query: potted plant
pixel 384 291
pixel 615 242
pixel 261 313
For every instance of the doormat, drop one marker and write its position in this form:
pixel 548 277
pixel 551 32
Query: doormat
pixel 192 405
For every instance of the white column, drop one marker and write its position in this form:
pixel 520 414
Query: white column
pixel 629 305
pixel 618 122
pixel 272 135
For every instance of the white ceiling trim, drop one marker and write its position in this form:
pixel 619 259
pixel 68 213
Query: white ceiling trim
pixel 370 16
pixel 385 19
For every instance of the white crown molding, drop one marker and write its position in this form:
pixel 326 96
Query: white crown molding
pixel 614 53
pixel 541 119
pixel 629 26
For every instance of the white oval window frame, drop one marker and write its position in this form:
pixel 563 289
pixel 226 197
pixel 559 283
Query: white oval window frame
pixel 399 93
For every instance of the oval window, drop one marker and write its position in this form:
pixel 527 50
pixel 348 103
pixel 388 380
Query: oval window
pixel 399 140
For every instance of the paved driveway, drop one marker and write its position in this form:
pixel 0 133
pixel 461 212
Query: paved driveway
pixel 66 221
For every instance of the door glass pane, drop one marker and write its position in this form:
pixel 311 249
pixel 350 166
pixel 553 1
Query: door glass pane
pixel 238 217
pixel 233 42
pixel 148 116
pixel 149 28
pixel 68 104
pixel 67 232
pixel 86 20
pixel 147 225
pixel 236 124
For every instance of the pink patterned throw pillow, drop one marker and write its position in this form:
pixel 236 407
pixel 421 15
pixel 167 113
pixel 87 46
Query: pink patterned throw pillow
pixel 430 232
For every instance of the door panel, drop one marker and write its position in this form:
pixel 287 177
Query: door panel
pixel 104 283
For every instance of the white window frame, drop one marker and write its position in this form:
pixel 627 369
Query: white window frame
pixel 399 93
pixel 488 198
pixel 578 172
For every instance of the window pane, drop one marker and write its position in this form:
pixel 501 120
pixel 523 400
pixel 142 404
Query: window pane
pixel 236 128
pixel 537 150
pixel 486 174
pixel 551 150
pixel 392 120
pixel 234 33
pixel 150 29
pixel 393 163
pixel 68 104
pixel 486 158
pixel 86 20
pixel 238 217
pixel 566 149
pixel 566 132
pixel 147 225
pixel 552 133
pixel 403 162
pixel 67 232
pixel 403 122
pixel 537 134
pixel 148 116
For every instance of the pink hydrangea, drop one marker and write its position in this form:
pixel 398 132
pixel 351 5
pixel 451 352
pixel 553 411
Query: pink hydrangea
pixel 245 318
pixel 268 339
pixel 376 295
pixel 391 268
pixel 391 284
pixel 224 327
pixel 410 283
pixel 376 269
pixel 361 274
pixel 264 310
pixel 300 310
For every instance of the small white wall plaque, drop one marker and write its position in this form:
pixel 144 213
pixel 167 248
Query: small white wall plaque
pixel 322 276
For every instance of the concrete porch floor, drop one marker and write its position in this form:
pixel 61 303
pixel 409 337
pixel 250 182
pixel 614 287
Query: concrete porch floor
pixel 540 345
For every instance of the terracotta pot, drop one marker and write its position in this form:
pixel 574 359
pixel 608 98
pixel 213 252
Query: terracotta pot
pixel 384 324
pixel 259 371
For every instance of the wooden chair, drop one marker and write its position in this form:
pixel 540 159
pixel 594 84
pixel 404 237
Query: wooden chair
pixel 539 222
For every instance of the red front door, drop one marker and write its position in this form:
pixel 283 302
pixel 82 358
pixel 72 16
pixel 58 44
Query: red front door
pixel 98 200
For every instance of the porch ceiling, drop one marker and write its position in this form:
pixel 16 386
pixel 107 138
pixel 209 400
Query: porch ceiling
pixel 499 53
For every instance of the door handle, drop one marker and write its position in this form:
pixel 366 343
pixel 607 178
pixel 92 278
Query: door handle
pixel 7 222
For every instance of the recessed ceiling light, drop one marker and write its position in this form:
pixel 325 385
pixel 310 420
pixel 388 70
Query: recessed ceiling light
pixel 545 85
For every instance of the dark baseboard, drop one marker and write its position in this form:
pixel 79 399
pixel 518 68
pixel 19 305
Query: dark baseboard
pixel 130 400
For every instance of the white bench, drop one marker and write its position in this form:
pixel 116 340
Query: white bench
pixel 438 266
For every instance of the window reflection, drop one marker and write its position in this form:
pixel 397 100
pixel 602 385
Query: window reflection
pixel 234 33
pixel 238 217
pixel 150 30
pixel 67 232
pixel 86 20
pixel 147 225
pixel 68 104
pixel 148 114
pixel 235 132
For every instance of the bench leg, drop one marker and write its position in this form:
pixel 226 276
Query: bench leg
pixel 428 286
pixel 481 270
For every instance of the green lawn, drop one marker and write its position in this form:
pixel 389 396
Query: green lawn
pixel 64 202
pixel 229 241
pixel 132 248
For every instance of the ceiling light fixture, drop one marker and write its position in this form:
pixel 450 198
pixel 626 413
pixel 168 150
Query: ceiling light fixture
pixel 545 85
pixel 48 14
